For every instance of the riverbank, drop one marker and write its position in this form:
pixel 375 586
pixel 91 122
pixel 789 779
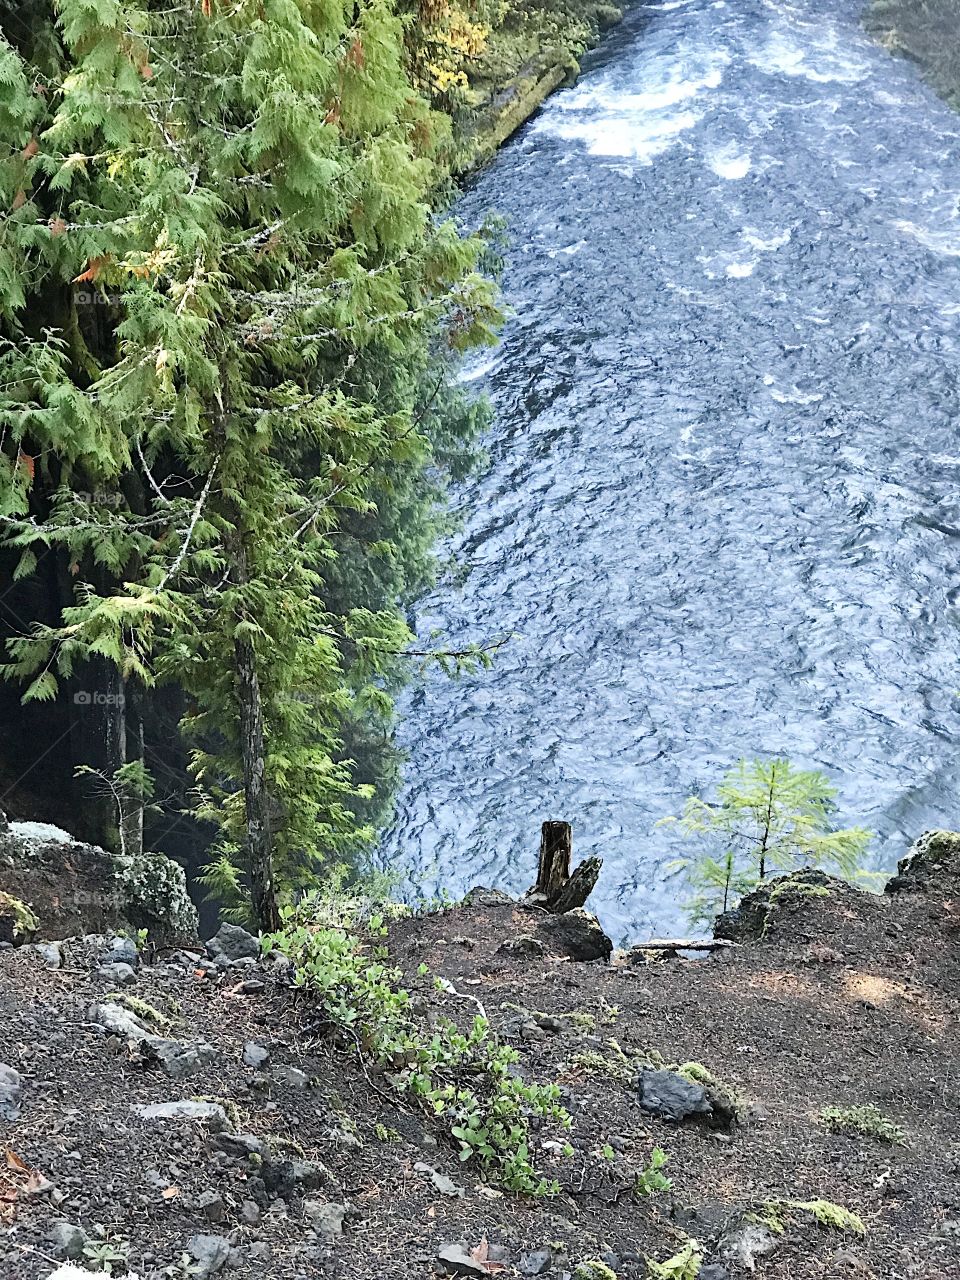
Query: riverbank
pixel 927 33
pixel 191 1112
pixel 535 49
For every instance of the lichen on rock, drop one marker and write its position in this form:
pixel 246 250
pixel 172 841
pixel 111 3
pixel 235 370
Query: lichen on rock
pixel 932 863
pixel 77 888
pixel 17 922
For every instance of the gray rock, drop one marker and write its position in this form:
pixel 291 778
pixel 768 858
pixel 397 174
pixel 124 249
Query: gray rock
pixel 211 1205
pixel 119 1021
pixel 672 1097
pixel 747 1242
pixel 67 1240
pixel 250 1212
pixel 577 934
pixel 284 1177
pixel 293 1077
pixel 119 974
pixel 210 1253
pixel 326 1218
pixel 751 919
pixel 183 1060
pixel 536 1262
pixel 230 943
pixel 185 1109
pixel 50 954
pixel 239 1145
pixel 253 987
pixel 932 864
pixel 480 896
pixel 122 950
pixel 446 1186
pixel 714 1271
pixel 524 944
pixel 455 1261
pixel 9 1092
pixel 255 1055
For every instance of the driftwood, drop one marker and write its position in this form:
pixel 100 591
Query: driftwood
pixel 557 888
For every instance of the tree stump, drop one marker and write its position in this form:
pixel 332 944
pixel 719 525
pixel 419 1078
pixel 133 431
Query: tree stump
pixel 557 889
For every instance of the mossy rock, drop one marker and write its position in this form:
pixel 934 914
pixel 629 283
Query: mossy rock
pixel 17 922
pixel 932 865
pixel 751 919
pixel 76 888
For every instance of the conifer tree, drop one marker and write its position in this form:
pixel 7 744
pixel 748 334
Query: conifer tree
pixel 216 224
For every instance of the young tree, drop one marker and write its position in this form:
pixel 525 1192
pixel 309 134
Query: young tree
pixel 768 818
pixel 217 222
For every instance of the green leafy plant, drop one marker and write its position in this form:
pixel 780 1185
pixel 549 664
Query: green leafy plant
pixel 104 1255
pixel 865 1121
pixel 464 1077
pixel 684 1265
pixel 651 1180
pixel 768 818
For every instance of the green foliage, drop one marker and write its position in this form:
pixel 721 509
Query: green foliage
pixel 865 1121
pixel 464 1077
pixel 768 818
pixel 228 322
pixel 593 1269
pixel 651 1180
pixel 684 1265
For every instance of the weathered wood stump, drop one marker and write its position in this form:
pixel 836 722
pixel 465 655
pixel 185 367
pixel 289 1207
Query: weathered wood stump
pixel 557 889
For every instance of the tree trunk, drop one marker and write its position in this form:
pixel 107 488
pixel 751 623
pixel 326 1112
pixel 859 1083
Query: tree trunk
pixel 556 850
pixel 131 797
pixel 256 796
pixel 557 889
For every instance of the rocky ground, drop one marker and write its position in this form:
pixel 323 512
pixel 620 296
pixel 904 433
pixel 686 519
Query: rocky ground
pixel 186 1112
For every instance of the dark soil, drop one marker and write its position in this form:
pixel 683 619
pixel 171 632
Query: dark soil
pixel 848 999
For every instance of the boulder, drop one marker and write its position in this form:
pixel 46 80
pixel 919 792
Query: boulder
pixel 932 864
pixel 750 919
pixel 577 934
pixel 232 943
pixel 672 1096
pixel 75 888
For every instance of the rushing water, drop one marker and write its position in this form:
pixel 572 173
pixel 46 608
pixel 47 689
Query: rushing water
pixel 722 507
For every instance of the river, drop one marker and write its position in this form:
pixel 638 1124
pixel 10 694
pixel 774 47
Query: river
pixel 721 511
